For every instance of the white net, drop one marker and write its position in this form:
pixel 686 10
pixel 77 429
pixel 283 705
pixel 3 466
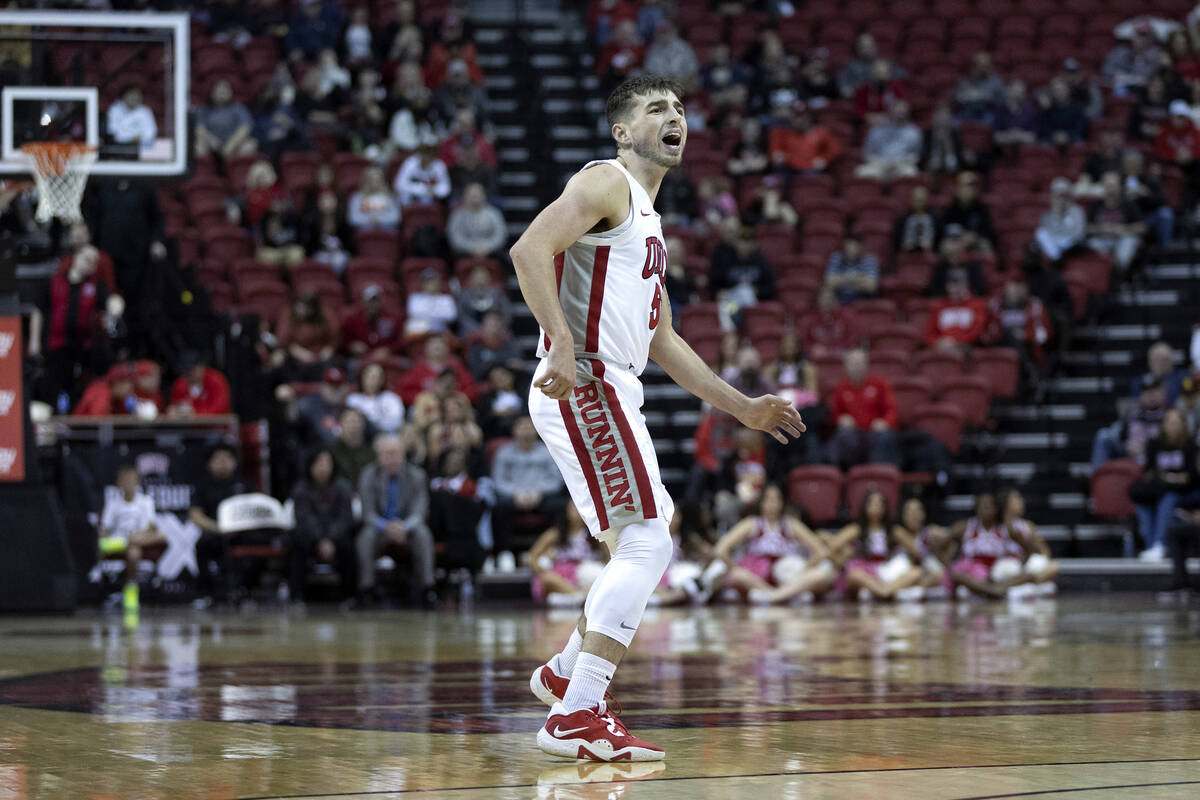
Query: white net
pixel 61 171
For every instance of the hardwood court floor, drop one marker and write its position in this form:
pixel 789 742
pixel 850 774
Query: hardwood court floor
pixel 1095 698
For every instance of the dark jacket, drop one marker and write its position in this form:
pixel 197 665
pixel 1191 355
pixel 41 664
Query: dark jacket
pixel 323 511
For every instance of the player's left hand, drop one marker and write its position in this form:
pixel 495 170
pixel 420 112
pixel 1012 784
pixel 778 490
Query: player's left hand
pixel 775 416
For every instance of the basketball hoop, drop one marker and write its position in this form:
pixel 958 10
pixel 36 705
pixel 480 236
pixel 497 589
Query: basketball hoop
pixel 61 171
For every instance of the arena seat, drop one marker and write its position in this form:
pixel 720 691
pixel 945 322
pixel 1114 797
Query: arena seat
pixel 911 392
pixel 864 478
pixel 228 243
pixel 938 366
pixel 972 394
pixel 463 268
pixel 384 245
pixel 874 313
pixel 1109 489
pixel 817 490
pixel 374 270
pixel 1000 366
pixel 942 421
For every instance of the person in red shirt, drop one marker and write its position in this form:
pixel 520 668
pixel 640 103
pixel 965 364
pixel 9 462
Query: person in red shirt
pixel 424 373
pixel 961 319
pixel 864 410
pixel 147 383
pixel 622 55
pixel 805 146
pixel 1178 142
pixel 872 99
pixel 832 328
pixel 1020 321
pixel 109 396
pixel 370 331
pixel 199 390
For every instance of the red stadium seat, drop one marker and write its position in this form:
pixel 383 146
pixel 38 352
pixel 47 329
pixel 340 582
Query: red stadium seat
pixel 938 366
pixel 972 394
pixel 1080 294
pixel 1000 366
pixel 411 269
pixel 898 337
pixel 376 270
pixel 226 243
pixel 707 344
pixel 831 371
pixel 874 312
pixel 890 365
pixel 765 339
pixel 247 270
pixel 817 490
pixel 418 216
pixel 463 268
pixel 699 316
pixel 912 392
pixel 941 421
pixel 1093 269
pixel 383 245
pixel 865 478
pixel 1110 488
pixel 821 244
pixel 916 312
pixel 308 271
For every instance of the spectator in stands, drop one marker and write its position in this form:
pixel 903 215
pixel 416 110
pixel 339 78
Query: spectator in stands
pixel 77 318
pixel 1019 321
pixel 677 201
pixel 679 282
pixel 804 146
pixel 672 56
pixel 941 145
pixel 476 229
pixel 1146 191
pixel 423 178
pixel 1184 534
pixel 262 187
pixel 818 87
pixel 199 390
pixel 953 256
pixel 1160 363
pixel 314 28
pixel 431 308
pixel 500 404
pixel 980 91
pixel 380 405
pixel 366 117
pixel 434 362
pixel 1084 92
pixel 864 410
pixel 1128 436
pixel 395 508
pixel 740 276
pixel 111 395
pixel 279 235
pixel 372 207
pixel 328 234
pixel 874 99
pixel 324 532
pixel 224 127
pixel 893 146
pixel 278 126
pixel 319 101
pixel 369 330
pixel 1115 226
pixel 456 431
pixel 750 156
pixel 605 15
pixel 1062 226
pixel 915 229
pixel 749 377
pixel 1184 60
pixel 1170 473
pixel 147 384
pixel 1129 66
pixel 457 504
pixel 620 56
pixel 743 477
pixel 859 69
pixel 527 480
pixel 1014 121
pixel 457 92
pixel 465 135
pixel 565 561
pixel 1061 119
pixel 1109 157
pixel 1188 403
pixel 453 42
pixel 769 206
pixel 492 345
pixel 481 296
pixel 852 272
pixel 723 79
pixel 130 121
pixel 414 118
pixel 357 47
pixel 127 529
pixel 717 203
pixel 832 328
pixel 351 450
pixel 1151 110
pixel 470 168
pixel 304 333
pixel 317 413
pixel 1178 143
pixel 960 320
pixel 220 482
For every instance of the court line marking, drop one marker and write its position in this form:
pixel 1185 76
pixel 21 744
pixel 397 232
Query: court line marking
pixel 375 793
pixel 1080 789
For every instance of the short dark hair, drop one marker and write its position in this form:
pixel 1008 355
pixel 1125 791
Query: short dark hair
pixel 123 468
pixel 620 101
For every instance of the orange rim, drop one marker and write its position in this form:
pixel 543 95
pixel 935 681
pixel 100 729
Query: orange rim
pixel 52 158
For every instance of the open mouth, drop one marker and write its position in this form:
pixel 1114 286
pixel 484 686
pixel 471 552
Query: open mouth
pixel 672 138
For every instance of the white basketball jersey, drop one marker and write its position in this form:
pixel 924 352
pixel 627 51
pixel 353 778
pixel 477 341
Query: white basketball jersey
pixel 610 285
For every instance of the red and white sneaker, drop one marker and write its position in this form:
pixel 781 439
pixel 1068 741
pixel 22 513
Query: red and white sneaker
pixel 595 734
pixel 547 686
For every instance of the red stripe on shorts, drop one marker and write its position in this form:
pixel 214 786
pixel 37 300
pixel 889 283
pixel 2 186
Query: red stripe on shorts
pixel 596 301
pixel 585 462
pixel 640 476
pixel 558 271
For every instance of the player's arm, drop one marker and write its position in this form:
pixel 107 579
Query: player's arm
pixel 768 413
pixel 591 196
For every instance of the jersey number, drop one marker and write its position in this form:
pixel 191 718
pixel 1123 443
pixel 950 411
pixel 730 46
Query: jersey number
pixel 655 305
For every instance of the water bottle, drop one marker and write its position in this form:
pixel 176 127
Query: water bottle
pixel 63 404
pixel 130 404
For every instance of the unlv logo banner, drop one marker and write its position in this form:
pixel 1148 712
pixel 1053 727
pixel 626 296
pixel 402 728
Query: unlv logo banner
pixel 12 431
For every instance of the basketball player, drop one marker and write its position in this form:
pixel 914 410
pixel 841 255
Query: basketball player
pixel 591 268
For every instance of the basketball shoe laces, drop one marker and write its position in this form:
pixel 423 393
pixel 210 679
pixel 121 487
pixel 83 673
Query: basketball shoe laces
pixel 615 726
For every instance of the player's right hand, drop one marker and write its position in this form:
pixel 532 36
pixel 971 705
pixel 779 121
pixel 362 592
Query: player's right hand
pixel 559 379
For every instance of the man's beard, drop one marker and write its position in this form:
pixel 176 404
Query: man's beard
pixel 650 152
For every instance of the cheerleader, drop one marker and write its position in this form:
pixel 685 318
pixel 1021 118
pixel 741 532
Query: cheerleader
pixel 927 545
pixel 566 559
pixel 875 567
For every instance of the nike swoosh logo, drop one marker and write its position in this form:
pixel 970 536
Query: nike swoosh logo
pixel 644 214
pixel 559 732
pixel 627 627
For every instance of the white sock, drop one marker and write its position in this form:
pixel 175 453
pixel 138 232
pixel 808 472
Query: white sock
pixel 563 664
pixel 589 682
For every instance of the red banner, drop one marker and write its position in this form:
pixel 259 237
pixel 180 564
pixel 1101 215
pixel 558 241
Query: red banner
pixel 12 430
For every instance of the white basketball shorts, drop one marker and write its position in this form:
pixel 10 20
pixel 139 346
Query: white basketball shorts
pixel 599 440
